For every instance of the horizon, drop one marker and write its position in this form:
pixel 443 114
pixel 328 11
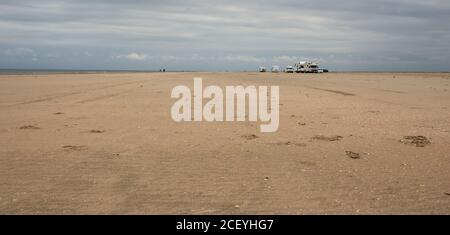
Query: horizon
pixel 5 70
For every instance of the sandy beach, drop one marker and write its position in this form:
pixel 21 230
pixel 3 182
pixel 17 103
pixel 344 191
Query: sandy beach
pixel 106 144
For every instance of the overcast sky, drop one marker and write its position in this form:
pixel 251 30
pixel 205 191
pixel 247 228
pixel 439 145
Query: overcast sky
pixel 394 35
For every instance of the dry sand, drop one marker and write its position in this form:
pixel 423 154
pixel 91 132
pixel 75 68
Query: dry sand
pixel 106 144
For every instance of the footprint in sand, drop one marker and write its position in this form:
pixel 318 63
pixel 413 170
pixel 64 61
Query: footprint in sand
pixel 417 140
pixel 307 163
pixel 96 131
pixel 327 138
pixel 287 143
pixel 29 127
pixel 352 155
pixel 250 137
pixel 74 147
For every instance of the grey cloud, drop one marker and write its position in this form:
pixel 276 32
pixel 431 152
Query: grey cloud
pixel 226 35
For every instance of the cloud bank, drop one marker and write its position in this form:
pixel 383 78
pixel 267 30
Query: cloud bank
pixel 223 35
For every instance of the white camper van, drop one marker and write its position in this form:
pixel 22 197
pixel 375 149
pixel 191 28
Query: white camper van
pixel 300 67
pixel 307 67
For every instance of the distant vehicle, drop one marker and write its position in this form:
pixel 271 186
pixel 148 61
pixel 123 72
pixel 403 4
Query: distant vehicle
pixel 314 67
pixel 262 69
pixel 307 67
pixel 275 69
pixel 289 69
pixel 300 67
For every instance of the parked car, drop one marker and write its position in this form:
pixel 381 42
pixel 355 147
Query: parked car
pixel 289 69
pixel 262 69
